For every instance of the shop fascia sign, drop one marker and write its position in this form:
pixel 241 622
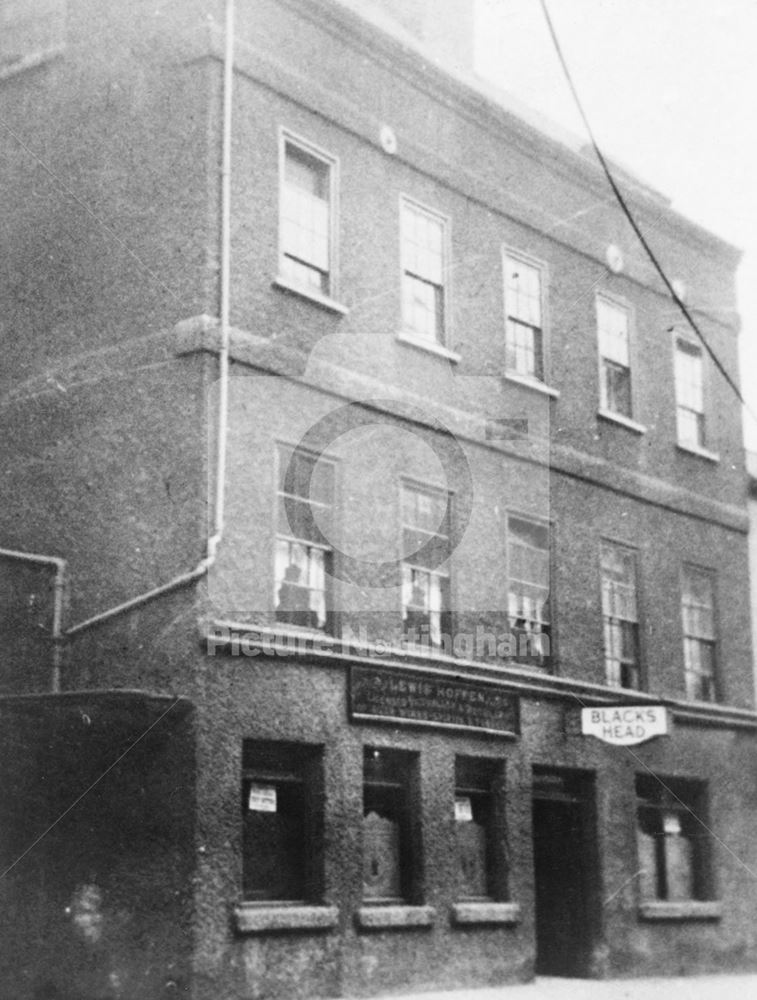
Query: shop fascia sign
pixel 625 725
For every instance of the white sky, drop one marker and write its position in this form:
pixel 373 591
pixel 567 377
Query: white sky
pixel 670 88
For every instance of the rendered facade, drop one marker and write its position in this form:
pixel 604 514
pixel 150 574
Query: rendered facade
pixel 353 448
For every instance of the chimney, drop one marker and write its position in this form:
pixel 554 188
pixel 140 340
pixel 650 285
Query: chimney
pixel 444 26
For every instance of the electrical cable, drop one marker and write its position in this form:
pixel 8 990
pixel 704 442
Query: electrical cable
pixel 631 219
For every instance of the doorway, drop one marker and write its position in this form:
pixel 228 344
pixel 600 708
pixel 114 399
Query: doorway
pixel 565 871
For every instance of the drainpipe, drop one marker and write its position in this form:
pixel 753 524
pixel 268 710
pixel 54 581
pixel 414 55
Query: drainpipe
pixel 59 584
pixel 223 358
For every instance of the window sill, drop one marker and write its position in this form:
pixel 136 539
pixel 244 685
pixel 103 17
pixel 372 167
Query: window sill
pixel 686 909
pixel 538 668
pixel 261 918
pixel 380 917
pixel 532 383
pixel 692 449
pixel 405 337
pixel 619 418
pixel 486 913
pixel 331 305
pixel 286 629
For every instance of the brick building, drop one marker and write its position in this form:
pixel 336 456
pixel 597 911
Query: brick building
pixel 353 448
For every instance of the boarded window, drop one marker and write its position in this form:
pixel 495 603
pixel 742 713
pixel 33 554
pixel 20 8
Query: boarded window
pixel 672 837
pixel 391 862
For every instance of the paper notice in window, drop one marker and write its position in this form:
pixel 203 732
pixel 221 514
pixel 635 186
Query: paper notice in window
pixel 262 798
pixel 463 809
pixel 671 823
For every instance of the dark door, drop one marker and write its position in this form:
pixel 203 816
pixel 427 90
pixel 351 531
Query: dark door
pixel 564 866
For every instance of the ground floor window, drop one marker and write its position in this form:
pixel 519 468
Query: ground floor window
pixel 672 835
pixel 390 842
pixel 479 828
pixel 282 821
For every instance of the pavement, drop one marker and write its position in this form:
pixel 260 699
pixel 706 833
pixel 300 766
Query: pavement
pixel 735 987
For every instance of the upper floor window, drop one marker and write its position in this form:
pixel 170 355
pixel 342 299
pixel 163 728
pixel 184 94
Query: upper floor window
pixel 30 30
pixel 689 379
pixel 528 598
pixel 423 235
pixel 305 500
pixel 620 616
pixel 307 223
pixel 614 358
pixel 524 336
pixel 698 609
pixel 425 578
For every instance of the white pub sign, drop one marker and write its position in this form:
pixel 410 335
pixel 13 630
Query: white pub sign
pixel 624 725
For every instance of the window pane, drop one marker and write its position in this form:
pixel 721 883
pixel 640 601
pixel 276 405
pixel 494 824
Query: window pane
pixel 689 376
pixel 422 307
pixel 612 322
pixel 620 616
pixel 425 551
pixel 690 427
pixel 672 838
pixel 423 242
pixel 305 219
pixel 689 380
pixel 387 841
pixel 523 335
pixel 478 813
pixel 528 600
pixel 281 821
pixel 523 350
pixel 303 561
pixel 273 849
pixel 423 273
pixel 616 388
pixel 698 615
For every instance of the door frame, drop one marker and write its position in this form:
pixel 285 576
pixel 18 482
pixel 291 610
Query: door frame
pixel 574 786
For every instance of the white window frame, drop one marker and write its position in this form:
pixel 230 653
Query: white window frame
pixel 329 581
pixel 701 449
pixel 690 674
pixel 548 654
pixel 635 621
pixel 445 574
pixel 540 266
pixel 329 296
pixel 620 304
pixel 675 860
pixel 439 344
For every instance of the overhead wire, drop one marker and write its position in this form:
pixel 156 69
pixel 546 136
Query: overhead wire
pixel 632 220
